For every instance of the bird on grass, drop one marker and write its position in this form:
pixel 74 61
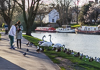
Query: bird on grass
pixel 24 54
pixel 77 55
pixel 91 59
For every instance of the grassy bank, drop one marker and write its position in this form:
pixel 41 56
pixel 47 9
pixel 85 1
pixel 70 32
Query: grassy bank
pixel 78 64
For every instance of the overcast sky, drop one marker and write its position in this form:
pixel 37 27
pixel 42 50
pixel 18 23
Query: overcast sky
pixel 82 2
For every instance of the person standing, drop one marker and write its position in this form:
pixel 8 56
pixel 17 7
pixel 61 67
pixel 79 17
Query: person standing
pixel 6 29
pixel 19 34
pixel 12 33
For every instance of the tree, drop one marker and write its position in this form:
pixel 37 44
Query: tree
pixel 41 12
pixel 29 15
pixel 6 10
pixel 92 14
pixel 63 7
pixel 83 12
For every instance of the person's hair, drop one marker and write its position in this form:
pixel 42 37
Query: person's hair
pixel 18 22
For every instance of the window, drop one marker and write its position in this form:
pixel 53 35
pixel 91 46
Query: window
pixel 89 29
pixel 94 28
pixel 52 20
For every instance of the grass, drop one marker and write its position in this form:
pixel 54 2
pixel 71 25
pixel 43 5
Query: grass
pixel 81 63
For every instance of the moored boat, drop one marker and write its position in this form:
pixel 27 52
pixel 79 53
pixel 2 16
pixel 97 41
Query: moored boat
pixel 45 29
pixel 89 29
pixel 65 29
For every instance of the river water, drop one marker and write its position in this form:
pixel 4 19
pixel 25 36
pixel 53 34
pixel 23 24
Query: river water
pixel 83 43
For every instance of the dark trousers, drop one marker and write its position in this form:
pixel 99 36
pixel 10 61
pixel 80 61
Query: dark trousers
pixel 18 41
pixel 11 40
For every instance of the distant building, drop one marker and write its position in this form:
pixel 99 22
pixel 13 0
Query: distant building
pixel 51 17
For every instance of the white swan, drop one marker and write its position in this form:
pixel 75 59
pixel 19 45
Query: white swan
pixel 40 42
pixel 57 45
pixel 47 43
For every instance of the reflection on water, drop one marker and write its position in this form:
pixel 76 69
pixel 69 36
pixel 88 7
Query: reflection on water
pixel 86 44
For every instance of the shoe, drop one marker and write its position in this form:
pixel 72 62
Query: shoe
pixel 10 48
pixel 13 48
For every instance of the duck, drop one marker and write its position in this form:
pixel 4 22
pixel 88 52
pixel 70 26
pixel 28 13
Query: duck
pixel 72 52
pixel 77 55
pixel 68 52
pixel 47 44
pixel 97 59
pixel 54 48
pixel 91 59
pixel 38 49
pixel 81 56
pixel 87 56
pixel 40 42
pixel 65 50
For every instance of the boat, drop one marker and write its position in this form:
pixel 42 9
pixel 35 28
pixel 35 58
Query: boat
pixel 65 29
pixel 45 29
pixel 89 29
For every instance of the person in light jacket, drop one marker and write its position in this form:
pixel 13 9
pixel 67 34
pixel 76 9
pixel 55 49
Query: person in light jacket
pixel 12 33
pixel 19 34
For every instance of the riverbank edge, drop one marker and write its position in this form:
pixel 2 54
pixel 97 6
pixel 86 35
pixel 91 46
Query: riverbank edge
pixel 77 63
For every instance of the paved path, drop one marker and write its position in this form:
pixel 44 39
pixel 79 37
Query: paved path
pixel 14 59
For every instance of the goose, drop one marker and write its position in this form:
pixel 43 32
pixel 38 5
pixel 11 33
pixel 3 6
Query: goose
pixel 47 43
pixel 40 42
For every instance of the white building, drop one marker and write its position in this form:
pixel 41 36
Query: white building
pixel 51 17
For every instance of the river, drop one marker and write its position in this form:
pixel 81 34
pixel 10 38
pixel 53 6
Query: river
pixel 83 43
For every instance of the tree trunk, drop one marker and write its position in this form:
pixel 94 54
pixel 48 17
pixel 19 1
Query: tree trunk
pixel 28 30
pixel 8 21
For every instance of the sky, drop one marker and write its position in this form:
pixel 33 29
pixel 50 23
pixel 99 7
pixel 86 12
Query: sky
pixel 81 2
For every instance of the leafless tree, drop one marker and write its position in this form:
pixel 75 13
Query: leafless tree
pixel 29 15
pixel 6 10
